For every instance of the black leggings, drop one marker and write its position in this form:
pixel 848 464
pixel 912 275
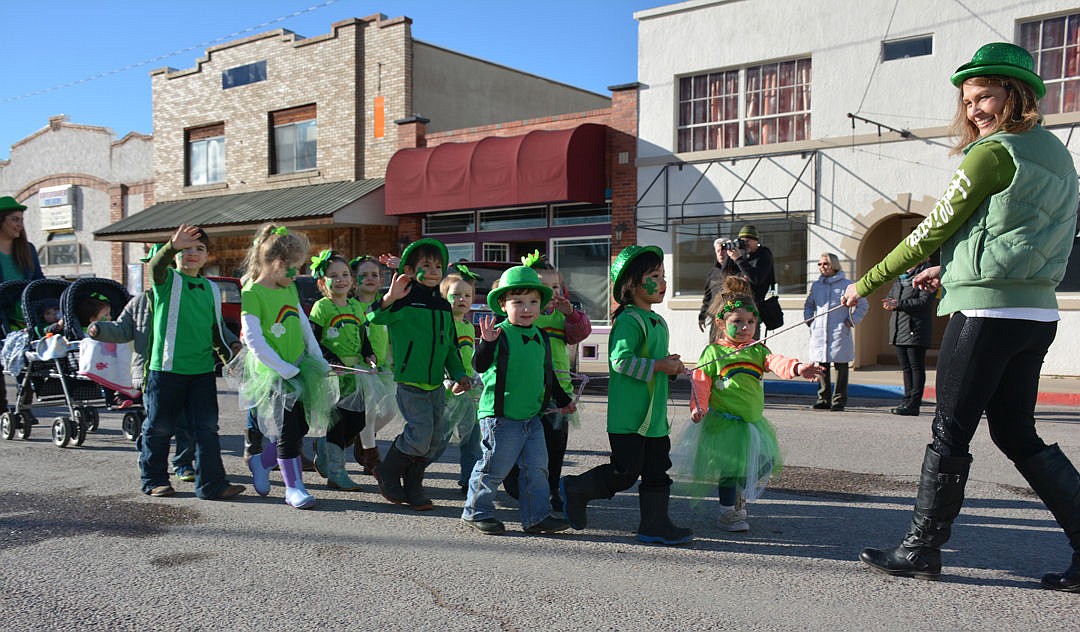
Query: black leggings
pixel 991 365
pixel 349 424
pixel 913 364
pixel 293 428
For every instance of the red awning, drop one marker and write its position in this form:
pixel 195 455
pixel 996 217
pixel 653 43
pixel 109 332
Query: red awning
pixel 539 167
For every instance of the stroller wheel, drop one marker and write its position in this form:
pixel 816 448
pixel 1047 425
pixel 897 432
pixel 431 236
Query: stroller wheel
pixel 92 413
pixel 131 426
pixel 79 426
pixel 23 422
pixel 61 432
pixel 7 426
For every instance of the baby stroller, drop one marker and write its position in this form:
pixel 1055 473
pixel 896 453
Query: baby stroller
pixel 115 381
pixel 30 371
pixel 10 308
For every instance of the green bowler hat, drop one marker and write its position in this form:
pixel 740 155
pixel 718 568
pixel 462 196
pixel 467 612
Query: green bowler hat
pixel 518 278
pixel 9 204
pixel 1001 58
pixel 627 255
pixel 426 241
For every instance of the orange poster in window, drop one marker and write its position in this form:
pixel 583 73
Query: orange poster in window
pixel 379 117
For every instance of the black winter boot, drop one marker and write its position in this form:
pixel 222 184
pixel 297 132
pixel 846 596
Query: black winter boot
pixel 388 475
pixel 1056 481
pixel 414 484
pixel 577 491
pixel 941 493
pixel 655 526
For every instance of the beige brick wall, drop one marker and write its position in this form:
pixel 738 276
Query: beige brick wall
pixel 325 70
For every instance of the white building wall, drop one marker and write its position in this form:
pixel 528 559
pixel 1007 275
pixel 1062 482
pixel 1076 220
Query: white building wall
pixel 861 178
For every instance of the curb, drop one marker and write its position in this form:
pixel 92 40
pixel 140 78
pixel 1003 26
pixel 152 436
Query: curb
pixel 868 391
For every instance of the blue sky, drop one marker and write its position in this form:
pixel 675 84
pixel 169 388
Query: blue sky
pixel 60 44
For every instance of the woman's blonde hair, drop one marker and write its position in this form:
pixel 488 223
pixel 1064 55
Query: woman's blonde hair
pixel 1021 111
pixel 274 243
pixel 834 261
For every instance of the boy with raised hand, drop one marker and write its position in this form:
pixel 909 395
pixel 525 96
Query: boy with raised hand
pixel 181 387
pixel 424 344
pixel 514 357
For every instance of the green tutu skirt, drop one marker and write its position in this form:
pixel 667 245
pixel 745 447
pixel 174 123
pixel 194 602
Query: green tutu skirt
pixel 264 390
pixel 375 396
pixel 725 448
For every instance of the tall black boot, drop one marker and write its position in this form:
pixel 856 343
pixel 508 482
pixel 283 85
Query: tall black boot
pixel 941 493
pixel 1056 481
pixel 253 443
pixel 655 526
pixel 577 491
pixel 388 475
pixel 414 484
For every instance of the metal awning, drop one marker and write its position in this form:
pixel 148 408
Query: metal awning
pixel 337 203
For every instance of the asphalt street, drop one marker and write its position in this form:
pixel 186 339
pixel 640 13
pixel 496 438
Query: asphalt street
pixel 82 549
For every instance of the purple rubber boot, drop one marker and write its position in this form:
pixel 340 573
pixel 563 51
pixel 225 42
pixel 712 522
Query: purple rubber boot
pixel 292 473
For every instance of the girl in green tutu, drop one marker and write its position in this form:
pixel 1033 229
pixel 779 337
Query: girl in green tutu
pixel 730 441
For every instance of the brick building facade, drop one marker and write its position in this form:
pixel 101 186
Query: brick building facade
pixel 279 111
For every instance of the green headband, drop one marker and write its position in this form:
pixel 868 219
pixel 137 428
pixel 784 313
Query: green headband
pixel 731 306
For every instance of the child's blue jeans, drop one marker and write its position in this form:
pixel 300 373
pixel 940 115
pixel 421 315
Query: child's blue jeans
pixel 508 442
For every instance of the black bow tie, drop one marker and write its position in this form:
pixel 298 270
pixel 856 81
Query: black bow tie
pixel 195 286
pixel 526 339
pixel 655 322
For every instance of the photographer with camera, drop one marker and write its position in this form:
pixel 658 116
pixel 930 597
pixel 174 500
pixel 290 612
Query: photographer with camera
pixel 746 257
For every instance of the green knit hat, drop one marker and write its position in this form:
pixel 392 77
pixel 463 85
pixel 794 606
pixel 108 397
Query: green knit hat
pixel 1001 58
pixel 627 255
pixel 518 278
pixel 426 241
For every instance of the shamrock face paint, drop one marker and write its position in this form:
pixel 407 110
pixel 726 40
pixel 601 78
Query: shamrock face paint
pixel 290 272
pixel 650 286
pixel 732 330
pixel 420 274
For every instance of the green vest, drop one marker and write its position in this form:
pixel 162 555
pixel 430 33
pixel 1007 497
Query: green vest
pixel 515 385
pixel 1013 250
pixel 185 312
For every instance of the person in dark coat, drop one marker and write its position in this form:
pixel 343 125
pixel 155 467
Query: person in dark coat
pixel 723 267
pixel 910 331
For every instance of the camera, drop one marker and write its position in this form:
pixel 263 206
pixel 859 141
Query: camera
pixel 734 244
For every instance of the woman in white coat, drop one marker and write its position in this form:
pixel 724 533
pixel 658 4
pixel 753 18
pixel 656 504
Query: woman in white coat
pixel 830 336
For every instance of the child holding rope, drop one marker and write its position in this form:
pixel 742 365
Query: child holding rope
pixel 730 441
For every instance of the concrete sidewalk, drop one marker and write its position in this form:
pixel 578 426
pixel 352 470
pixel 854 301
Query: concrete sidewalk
pixel 886 382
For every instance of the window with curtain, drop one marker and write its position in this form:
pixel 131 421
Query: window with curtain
pixel 1054 43
pixel 294 145
pixel 205 154
pixel 756 105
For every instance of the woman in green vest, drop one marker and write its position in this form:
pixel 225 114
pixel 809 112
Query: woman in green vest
pixel 1005 228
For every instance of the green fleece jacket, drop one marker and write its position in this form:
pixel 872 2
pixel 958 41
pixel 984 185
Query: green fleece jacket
pixel 422 337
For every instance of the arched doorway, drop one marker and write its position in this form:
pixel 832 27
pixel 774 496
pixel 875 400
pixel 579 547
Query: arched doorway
pixel 872 335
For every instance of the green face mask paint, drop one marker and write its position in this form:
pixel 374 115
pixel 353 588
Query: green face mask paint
pixel 420 274
pixel 290 272
pixel 649 285
pixel 732 330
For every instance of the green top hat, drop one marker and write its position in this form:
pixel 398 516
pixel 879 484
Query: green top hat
pixel 150 253
pixel 1001 58
pixel 518 278
pixel 9 204
pixel 426 241
pixel 627 255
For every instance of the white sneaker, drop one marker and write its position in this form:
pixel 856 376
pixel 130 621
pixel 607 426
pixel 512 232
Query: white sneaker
pixel 732 519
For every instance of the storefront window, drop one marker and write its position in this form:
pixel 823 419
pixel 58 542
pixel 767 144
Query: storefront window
pixel 443 223
pixel 584 265
pixel 785 238
pixel 514 219
pixel 577 214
